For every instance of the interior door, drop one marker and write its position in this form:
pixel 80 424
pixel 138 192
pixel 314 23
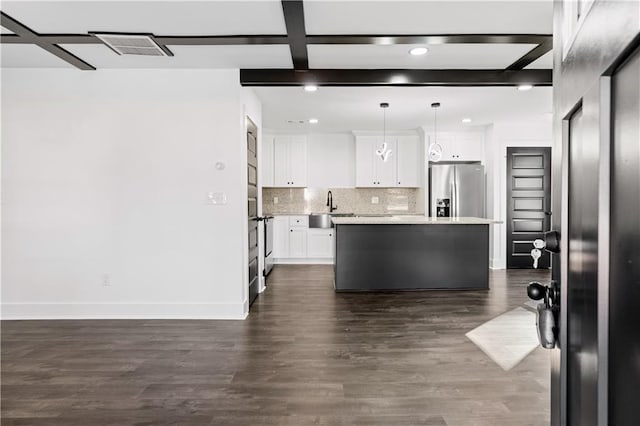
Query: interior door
pixel 624 258
pixel 252 205
pixel 528 203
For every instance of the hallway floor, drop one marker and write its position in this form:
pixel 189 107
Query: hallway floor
pixel 305 355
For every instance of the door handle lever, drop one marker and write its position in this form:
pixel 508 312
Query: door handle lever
pixel 546 312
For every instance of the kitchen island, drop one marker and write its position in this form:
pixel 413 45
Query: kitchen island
pixel 411 253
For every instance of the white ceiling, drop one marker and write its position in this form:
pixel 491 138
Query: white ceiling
pixel 445 56
pixel 238 17
pixel 341 109
pixel 29 56
pixel 430 17
pixel 158 17
pixel 543 62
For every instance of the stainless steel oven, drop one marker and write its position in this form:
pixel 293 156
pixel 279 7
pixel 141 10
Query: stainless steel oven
pixel 268 244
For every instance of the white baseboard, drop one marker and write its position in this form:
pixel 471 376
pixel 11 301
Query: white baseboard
pixel 304 261
pixel 497 264
pixel 209 311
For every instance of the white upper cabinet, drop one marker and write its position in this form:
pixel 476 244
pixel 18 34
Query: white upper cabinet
pixel 267 160
pixel 409 160
pixel 470 147
pixel 371 170
pixel 462 146
pixel 403 167
pixel 290 161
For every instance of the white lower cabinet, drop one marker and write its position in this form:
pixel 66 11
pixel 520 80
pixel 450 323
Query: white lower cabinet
pixel 320 243
pixel 295 242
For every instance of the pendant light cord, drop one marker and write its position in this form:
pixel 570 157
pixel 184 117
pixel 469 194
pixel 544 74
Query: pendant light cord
pixel 384 125
pixel 435 125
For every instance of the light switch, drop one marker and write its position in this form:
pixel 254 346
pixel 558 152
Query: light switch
pixel 217 198
pixel 375 200
pixel 275 200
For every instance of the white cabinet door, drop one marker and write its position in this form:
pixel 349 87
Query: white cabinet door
pixel 298 161
pixel 320 243
pixel 290 161
pixel 470 147
pixel 448 143
pixel 267 161
pixel 281 237
pixel 409 162
pixel 281 161
pixel 297 242
pixel 371 170
pixel 365 167
pixel 386 170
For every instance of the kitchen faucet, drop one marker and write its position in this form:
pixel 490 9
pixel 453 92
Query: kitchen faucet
pixel 330 202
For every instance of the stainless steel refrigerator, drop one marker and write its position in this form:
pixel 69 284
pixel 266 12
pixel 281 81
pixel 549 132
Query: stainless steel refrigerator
pixel 457 190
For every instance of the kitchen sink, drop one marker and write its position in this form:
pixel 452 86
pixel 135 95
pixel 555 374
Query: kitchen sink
pixel 323 220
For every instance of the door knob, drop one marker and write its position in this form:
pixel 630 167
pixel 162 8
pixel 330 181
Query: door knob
pixel 552 241
pixel 547 312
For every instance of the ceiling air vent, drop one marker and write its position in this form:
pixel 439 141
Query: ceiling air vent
pixel 133 44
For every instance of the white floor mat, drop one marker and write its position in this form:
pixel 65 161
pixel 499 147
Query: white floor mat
pixel 508 338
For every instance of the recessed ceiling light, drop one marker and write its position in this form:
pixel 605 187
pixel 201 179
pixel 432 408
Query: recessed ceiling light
pixel 466 120
pixel 524 87
pixel 417 51
pixel 310 88
pixel 313 120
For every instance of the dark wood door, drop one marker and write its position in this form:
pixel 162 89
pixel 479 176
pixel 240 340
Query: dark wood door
pixel 252 205
pixel 528 203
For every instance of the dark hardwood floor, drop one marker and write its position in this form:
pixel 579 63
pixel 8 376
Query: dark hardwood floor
pixel 305 355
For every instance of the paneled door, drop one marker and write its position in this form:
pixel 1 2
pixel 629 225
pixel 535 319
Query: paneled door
pixel 252 205
pixel 528 203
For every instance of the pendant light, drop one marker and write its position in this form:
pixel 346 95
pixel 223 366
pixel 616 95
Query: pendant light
pixel 435 149
pixel 383 152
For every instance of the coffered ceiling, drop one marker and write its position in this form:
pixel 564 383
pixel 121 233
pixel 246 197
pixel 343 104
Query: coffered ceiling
pixel 493 42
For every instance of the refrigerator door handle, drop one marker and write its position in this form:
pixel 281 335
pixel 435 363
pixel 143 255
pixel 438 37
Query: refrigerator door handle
pixel 454 206
pixel 454 195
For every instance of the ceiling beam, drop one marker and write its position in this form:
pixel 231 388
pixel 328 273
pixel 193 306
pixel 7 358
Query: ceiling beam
pixel 296 33
pixel 231 40
pixel 431 39
pixel 393 77
pixel 531 56
pixel 27 34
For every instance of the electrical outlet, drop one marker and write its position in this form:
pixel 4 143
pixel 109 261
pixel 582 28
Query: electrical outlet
pixel 375 200
pixel 217 198
pixel 275 200
pixel 106 280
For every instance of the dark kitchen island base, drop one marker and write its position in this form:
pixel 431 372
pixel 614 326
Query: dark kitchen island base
pixel 390 257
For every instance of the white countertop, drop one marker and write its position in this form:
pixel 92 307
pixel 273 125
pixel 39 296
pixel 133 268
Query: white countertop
pixel 412 220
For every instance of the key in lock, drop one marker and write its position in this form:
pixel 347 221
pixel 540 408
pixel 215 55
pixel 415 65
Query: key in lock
pixel 536 254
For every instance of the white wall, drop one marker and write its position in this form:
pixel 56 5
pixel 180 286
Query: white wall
pixel 331 160
pixel 498 137
pixel 105 174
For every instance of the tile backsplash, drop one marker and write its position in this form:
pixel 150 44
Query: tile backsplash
pixel 348 200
